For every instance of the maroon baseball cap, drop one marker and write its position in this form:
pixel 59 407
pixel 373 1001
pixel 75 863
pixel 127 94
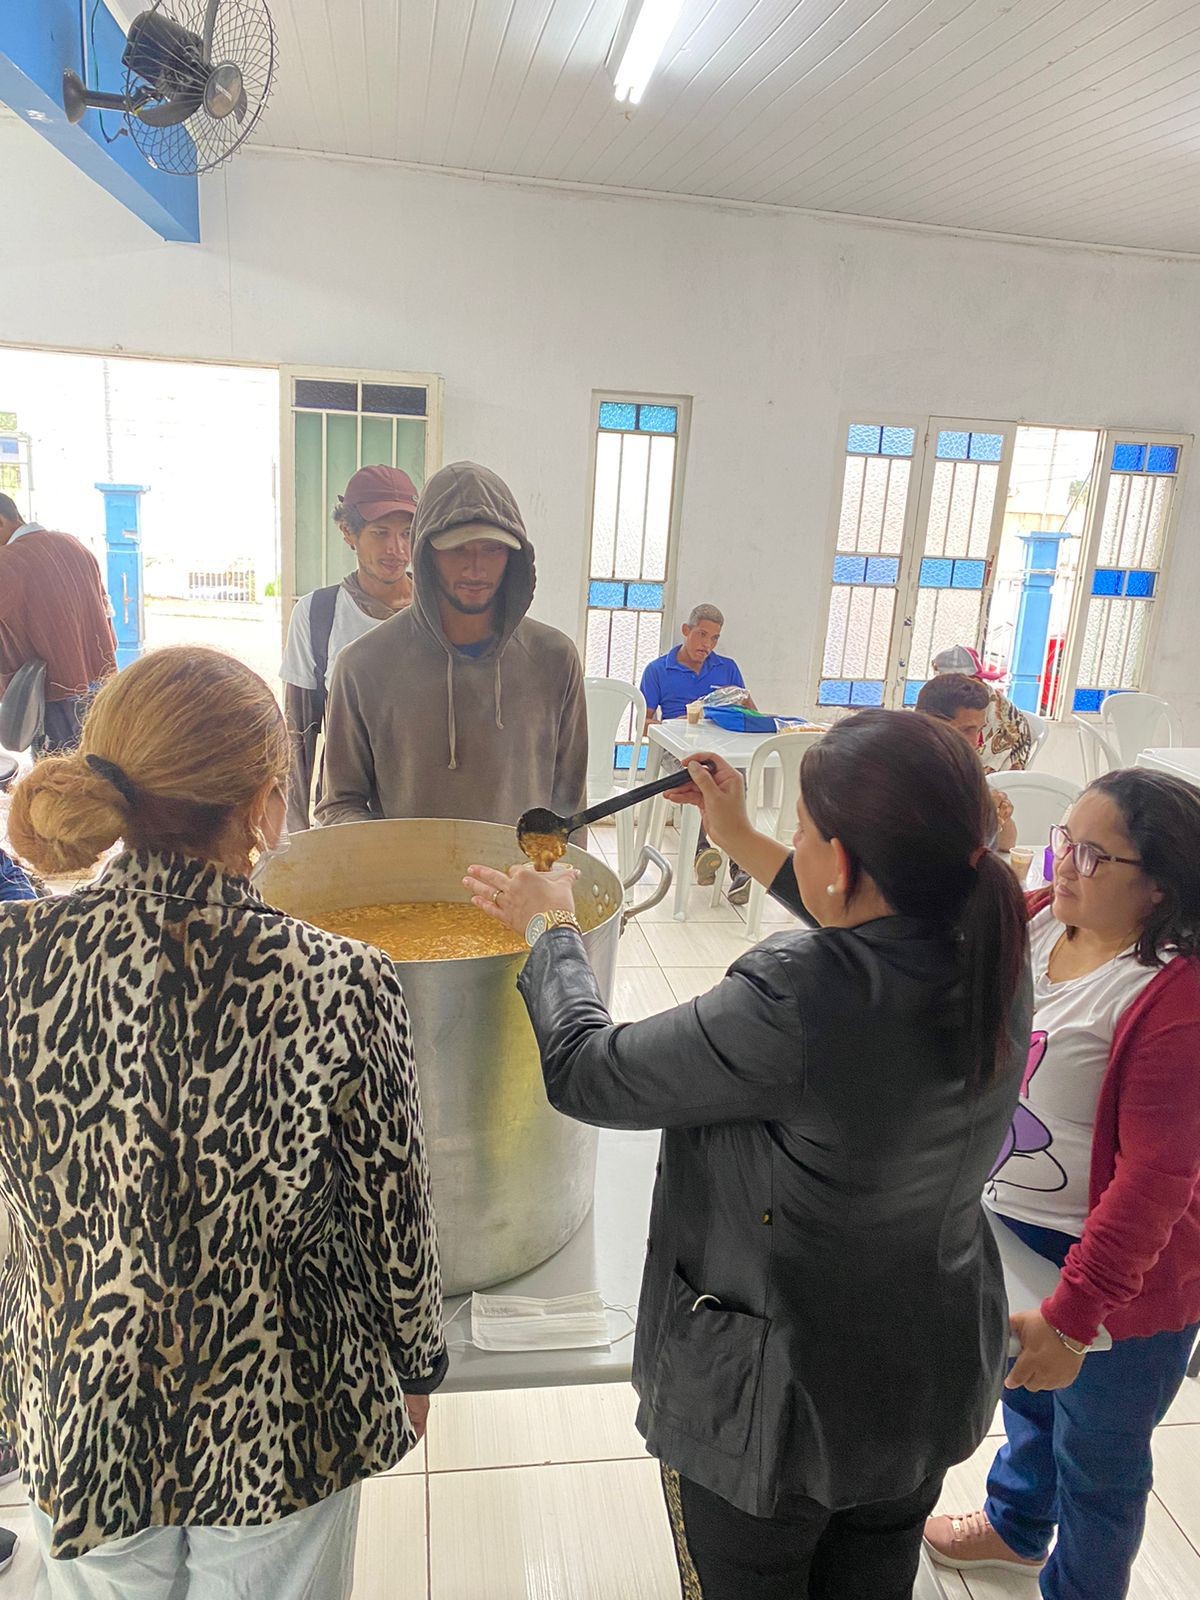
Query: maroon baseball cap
pixel 378 491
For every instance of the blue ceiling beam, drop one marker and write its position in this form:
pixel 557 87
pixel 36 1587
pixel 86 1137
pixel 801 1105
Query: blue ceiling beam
pixel 39 40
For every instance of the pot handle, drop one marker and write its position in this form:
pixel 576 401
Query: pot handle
pixel 649 853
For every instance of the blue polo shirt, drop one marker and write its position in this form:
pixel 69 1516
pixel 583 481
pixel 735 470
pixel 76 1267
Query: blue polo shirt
pixel 669 687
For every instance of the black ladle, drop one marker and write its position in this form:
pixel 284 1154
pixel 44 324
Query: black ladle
pixel 540 821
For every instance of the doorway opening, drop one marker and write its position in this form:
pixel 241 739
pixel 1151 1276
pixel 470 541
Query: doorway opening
pixel 169 472
pixel 1039 559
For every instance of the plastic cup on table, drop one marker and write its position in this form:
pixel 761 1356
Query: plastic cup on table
pixel 1020 859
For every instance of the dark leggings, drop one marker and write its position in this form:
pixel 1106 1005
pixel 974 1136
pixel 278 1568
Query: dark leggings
pixel 866 1552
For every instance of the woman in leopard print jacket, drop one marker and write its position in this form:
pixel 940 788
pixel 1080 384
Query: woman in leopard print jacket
pixel 222 1307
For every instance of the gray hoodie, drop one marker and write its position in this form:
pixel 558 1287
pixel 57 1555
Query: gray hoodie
pixel 415 728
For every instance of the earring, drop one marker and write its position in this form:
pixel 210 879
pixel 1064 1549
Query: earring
pixel 831 888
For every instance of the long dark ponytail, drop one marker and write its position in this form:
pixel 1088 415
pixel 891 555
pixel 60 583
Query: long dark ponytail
pixel 907 799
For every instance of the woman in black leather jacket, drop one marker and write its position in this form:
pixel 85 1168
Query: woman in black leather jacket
pixel 822 1327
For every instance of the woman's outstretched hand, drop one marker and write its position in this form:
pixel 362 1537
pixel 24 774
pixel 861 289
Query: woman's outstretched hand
pixel 721 796
pixel 514 896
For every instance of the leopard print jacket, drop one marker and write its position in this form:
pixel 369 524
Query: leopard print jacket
pixel 223 1275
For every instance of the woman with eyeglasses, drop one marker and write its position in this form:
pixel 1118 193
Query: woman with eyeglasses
pixel 1101 1174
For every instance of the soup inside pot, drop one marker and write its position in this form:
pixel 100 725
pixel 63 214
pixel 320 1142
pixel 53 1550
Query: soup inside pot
pixel 435 930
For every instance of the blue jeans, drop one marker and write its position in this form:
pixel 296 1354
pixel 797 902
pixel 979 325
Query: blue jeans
pixel 1079 1458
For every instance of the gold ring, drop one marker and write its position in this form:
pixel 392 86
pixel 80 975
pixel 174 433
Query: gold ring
pixel 495 897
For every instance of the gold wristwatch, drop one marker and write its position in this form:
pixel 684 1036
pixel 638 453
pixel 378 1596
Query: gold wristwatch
pixel 541 920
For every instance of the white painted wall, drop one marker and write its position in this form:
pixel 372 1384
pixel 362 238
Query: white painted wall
pixel 528 299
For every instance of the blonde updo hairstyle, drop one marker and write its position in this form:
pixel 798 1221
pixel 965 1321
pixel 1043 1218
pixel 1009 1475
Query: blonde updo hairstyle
pixel 173 748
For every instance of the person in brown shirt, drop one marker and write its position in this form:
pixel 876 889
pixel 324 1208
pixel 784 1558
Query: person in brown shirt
pixel 53 609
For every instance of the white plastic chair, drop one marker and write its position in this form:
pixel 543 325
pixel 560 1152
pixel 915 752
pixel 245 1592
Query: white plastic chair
pixel 1133 722
pixel 786 749
pixel 1039 802
pixel 608 700
pixel 1099 756
pixel 1039 728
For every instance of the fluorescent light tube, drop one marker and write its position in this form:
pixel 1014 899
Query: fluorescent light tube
pixel 644 45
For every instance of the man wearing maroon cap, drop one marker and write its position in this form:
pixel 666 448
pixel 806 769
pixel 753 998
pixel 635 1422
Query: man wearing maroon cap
pixel 375 516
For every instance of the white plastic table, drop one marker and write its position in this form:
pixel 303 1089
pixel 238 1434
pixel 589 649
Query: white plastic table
pixel 684 739
pixel 1181 762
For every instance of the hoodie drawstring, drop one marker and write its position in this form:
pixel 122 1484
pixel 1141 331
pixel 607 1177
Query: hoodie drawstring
pixel 450 733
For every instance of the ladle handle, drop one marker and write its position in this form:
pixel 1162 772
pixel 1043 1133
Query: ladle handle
pixel 632 797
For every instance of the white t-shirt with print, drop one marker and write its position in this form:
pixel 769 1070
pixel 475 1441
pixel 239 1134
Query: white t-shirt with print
pixel 1046 1161
pixel 350 622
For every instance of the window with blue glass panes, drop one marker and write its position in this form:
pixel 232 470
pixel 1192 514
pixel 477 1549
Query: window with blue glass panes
pixel 874 629
pixel 951 578
pixel 1142 489
pixel 633 512
pixel 866 567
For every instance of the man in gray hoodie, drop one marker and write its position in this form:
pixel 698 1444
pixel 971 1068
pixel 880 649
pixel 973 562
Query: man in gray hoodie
pixel 461 706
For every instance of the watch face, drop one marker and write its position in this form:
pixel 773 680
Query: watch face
pixel 537 927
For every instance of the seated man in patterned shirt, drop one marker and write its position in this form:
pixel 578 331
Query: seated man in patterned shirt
pixel 963 703
pixel 1007 739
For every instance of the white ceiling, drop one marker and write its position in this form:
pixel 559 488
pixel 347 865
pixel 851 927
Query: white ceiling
pixel 1064 119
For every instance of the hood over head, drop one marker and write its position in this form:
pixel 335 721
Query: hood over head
pixel 460 493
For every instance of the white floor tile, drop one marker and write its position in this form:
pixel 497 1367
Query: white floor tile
pixel 533 1427
pixel 1177 1476
pixel 414 1462
pixel 641 992
pixel 777 916
pixel 14 1494
pixel 595 1532
pixel 930 1579
pixel 633 951
pixel 699 909
pixel 688 982
pixel 1167 1568
pixel 391 1560
pixel 695 944
pixel 1186 1407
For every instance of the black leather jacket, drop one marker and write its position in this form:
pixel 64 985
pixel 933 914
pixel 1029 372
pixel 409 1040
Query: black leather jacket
pixel 822 1313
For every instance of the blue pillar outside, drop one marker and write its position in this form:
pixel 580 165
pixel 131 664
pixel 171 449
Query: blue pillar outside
pixel 123 547
pixel 1033 617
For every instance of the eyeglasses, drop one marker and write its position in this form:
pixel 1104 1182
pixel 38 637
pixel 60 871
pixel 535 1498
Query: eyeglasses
pixel 1087 858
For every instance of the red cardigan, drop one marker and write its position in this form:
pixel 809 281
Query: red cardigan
pixel 1136 1269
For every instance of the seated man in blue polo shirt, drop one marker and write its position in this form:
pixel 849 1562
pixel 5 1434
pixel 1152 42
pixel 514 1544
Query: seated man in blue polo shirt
pixel 688 672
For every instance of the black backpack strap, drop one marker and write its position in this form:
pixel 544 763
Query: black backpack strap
pixel 320 627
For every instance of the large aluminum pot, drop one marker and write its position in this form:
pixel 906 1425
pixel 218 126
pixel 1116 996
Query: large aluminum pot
pixel 512 1179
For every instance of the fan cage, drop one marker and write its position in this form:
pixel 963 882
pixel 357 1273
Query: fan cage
pixel 242 33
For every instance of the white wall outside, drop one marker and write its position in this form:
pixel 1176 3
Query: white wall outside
pixel 526 300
